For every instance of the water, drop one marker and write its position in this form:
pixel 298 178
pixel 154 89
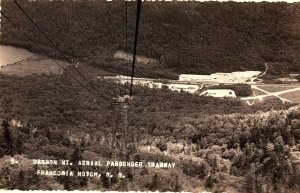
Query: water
pixel 12 54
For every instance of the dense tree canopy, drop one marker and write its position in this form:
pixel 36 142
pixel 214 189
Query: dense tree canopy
pixel 217 144
pixel 184 37
pixel 215 137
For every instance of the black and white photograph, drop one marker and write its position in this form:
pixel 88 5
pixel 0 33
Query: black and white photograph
pixel 150 96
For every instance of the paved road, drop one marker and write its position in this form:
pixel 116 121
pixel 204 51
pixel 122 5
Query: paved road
pixel 258 86
pixel 276 94
pixel 200 82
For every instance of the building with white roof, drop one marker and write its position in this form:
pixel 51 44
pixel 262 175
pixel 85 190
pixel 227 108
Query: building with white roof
pixel 219 93
pixel 233 77
pixel 183 87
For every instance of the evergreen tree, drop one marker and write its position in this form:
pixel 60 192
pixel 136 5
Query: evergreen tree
pixel 19 144
pixel 71 183
pixel 7 145
pixel 155 183
pixel 209 182
pixel 21 182
pixel 75 157
pixel 105 182
pixel 250 183
pixel 177 187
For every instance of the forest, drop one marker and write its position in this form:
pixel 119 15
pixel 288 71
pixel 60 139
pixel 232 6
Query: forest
pixel 193 37
pixel 217 144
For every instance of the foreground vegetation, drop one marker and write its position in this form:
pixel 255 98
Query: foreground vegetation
pixel 218 145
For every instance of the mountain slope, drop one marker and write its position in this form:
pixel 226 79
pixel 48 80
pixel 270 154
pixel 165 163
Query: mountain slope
pixel 184 37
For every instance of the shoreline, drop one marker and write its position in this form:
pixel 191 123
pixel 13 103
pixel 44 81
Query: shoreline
pixel 26 54
pixel 19 45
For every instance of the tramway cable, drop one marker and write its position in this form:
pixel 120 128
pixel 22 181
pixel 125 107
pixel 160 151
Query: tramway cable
pixel 125 103
pixel 44 51
pixel 138 11
pixel 134 50
pixel 126 52
pixel 35 24
pixel 126 44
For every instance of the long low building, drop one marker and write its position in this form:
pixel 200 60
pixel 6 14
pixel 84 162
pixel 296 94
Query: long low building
pixel 219 93
pixel 152 83
pixel 233 77
pixel 178 87
pixel 184 87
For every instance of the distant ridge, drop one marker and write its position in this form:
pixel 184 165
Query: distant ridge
pixel 190 37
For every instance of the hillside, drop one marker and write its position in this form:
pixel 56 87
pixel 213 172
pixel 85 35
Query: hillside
pixel 203 135
pixel 218 145
pixel 184 37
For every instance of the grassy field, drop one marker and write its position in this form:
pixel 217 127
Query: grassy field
pixel 276 88
pixel 34 65
pixel 257 92
pixel 293 96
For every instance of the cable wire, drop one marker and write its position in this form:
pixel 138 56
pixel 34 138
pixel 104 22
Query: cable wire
pixel 43 50
pixel 35 24
pixel 138 11
pixel 126 46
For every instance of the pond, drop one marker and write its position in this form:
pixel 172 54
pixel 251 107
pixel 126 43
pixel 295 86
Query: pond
pixel 12 54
